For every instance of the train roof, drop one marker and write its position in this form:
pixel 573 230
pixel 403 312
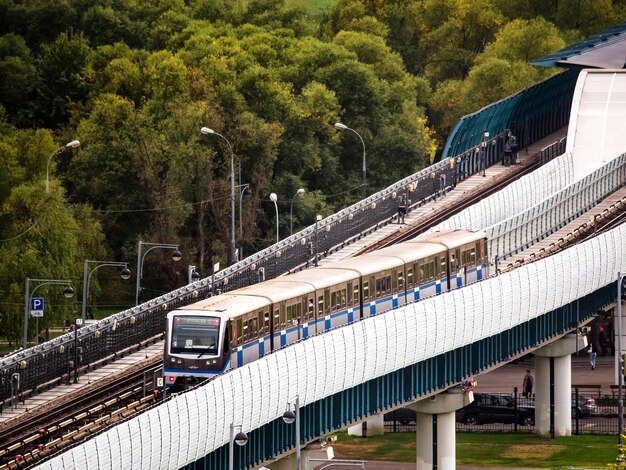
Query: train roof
pixel 409 252
pixel 368 263
pixel 322 277
pixel 451 238
pixel 227 304
pixel 275 290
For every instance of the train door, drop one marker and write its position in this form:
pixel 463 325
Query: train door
pixel 267 343
pixel 310 322
pixel 400 291
pixel 277 327
pixel 323 324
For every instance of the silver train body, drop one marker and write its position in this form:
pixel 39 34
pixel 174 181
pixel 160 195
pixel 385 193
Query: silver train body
pixel 227 331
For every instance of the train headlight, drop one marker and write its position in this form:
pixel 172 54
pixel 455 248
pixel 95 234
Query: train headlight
pixel 173 359
pixel 180 361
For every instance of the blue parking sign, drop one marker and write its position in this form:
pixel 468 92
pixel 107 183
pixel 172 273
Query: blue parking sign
pixel 36 307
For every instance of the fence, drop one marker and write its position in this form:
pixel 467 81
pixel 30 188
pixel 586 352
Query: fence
pixel 594 410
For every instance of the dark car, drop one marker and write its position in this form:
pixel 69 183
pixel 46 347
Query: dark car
pixel 402 415
pixel 493 408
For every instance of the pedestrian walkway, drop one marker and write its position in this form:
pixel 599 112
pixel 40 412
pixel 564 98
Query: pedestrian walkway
pixel 452 197
pixel 37 403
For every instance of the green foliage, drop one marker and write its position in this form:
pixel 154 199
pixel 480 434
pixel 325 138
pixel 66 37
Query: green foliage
pixel 135 80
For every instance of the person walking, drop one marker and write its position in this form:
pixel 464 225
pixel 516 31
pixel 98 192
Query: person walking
pixel 592 356
pixel 527 384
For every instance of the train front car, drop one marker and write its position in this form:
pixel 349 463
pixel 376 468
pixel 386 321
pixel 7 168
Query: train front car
pixel 198 343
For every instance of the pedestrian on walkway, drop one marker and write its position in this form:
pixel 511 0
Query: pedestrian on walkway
pixel 527 384
pixel 592 356
pixel 602 339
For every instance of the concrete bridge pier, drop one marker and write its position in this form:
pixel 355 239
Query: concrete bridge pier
pixel 436 429
pixel 553 386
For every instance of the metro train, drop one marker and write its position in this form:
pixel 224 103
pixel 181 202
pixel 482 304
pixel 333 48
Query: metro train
pixel 226 331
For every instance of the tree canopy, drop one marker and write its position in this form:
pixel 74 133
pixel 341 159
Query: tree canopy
pixel 135 81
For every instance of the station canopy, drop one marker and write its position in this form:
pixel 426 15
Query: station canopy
pixel 605 50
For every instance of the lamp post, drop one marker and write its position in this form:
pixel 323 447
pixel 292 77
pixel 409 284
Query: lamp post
pixel 620 371
pixel 291 416
pixel 299 192
pixel 192 274
pixel 67 292
pixel 240 439
pixel 233 254
pixel 125 274
pixel 72 144
pixel 176 256
pixel 274 198
pixel 483 151
pixel 342 127
pixel 318 217
pixel 243 189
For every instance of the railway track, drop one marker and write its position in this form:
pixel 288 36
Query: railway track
pixel 74 417
pixel 447 211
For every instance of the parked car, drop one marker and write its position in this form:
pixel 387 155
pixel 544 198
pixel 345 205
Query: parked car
pixel 586 406
pixel 404 416
pixel 493 408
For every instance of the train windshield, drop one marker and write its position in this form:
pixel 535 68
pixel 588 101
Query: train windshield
pixel 195 335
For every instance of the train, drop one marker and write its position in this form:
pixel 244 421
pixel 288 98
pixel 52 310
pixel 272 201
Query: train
pixel 227 331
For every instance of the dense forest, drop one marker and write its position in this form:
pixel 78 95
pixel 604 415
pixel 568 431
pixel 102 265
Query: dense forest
pixel 135 80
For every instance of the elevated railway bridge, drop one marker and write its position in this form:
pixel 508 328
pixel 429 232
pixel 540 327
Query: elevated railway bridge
pixel 408 354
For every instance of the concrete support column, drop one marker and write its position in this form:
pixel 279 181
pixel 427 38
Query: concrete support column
pixel 436 430
pixel 315 451
pixel 435 441
pixel 553 386
pixel 372 426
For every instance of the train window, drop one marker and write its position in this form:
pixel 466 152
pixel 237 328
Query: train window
pixel 355 295
pixel 343 298
pixel 400 281
pixel 333 300
pixel 409 277
pixel 388 284
pixel 298 313
pixel 366 290
pixel 266 322
pixel 239 330
pixel 320 306
pixel 276 319
pixel 246 330
pixel 311 313
pixel 327 301
pixel 195 334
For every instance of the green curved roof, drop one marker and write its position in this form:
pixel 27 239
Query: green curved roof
pixel 528 105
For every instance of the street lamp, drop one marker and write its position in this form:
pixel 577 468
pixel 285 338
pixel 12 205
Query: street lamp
pixel 241 439
pixel 274 198
pixel 67 292
pixel 176 256
pixel 620 371
pixel 299 192
pixel 291 416
pixel 244 189
pixel 318 217
pixel 125 274
pixel 72 144
pixel 342 127
pixel 233 254
pixel 483 151
pixel 192 274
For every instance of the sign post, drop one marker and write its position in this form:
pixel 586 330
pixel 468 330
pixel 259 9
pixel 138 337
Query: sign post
pixel 36 310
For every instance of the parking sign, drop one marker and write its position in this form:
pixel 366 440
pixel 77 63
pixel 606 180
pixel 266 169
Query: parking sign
pixel 36 307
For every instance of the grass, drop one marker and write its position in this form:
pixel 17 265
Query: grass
pixel 489 449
